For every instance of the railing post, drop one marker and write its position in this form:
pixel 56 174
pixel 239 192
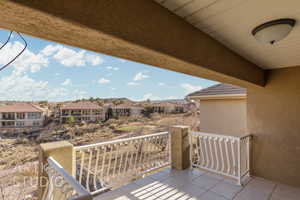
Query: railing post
pixel 180 147
pixel 239 161
pixel 62 152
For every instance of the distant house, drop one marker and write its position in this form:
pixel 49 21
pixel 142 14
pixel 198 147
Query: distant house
pixel 167 106
pixel 82 111
pixel 18 115
pixel 126 110
pixel 222 109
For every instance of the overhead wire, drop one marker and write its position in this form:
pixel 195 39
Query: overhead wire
pixel 20 53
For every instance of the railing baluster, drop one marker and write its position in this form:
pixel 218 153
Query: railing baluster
pixel 234 165
pixel 198 161
pixel 126 159
pixel 211 153
pixel 109 161
pixel 222 155
pixel 140 163
pixel 158 155
pixel 248 153
pixel 121 160
pixel 227 156
pixel 96 169
pixel 81 166
pixel 116 160
pixel 201 140
pixel 216 152
pixel 206 152
pixel 137 154
pixel 103 162
pixel 152 163
pixel 89 169
pixel 239 160
pixel 130 165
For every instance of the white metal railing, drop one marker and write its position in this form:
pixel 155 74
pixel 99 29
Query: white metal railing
pixel 61 185
pixel 226 155
pixel 101 165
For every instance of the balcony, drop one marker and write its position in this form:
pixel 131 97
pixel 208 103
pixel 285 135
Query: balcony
pixel 171 165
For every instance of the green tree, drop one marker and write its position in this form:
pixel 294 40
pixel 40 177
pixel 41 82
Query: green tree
pixel 147 111
pixel 71 120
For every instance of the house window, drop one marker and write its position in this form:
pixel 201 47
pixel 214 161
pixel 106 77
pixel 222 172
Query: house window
pixel 96 112
pixel 36 123
pixel 20 123
pixel 85 112
pixel 8 124
pixel 20 115
pixel 34 115
pixel 8 116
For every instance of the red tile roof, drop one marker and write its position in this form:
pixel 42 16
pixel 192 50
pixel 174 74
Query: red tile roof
pixel 80 105
pixel 20 107
pixel 126 106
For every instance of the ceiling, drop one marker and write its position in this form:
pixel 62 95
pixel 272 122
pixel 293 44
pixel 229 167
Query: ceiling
pixel 231 23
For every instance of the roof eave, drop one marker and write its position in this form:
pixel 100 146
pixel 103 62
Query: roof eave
pixel 223 96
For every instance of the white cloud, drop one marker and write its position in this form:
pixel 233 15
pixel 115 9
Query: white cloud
pixel 133 83
pixel 67 82
pixel 172 97
pixel 49 50
pixel 103 81
pixel 112 68
pixel 28 61
pixel 140 76
pixel 190 88
pixel 24 88
pixel 94 60
pixel 161 84
pixel 150 96
pixel 71 58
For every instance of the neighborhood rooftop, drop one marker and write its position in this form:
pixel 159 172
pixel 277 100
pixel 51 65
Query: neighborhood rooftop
pixel 20 107
pixel 220 89
pixel 81 105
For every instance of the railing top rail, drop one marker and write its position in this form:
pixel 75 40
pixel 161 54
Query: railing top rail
pixel 221 136
pixel 82 192
pixel 120 140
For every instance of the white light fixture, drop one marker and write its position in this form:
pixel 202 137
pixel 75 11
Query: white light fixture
pixel 273 31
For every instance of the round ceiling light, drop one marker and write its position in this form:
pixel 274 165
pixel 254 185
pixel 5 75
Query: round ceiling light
pixel 273 31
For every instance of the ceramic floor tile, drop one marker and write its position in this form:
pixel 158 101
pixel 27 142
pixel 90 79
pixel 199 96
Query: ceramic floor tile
pixel 205 181
pixel 226 189
pixel 211 196
pixel 260 184
pixel 174 182
pixel 144 181
pixel 191 190
pixel 286 192
pixel 252 194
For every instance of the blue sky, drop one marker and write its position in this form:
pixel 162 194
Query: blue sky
pixel 56 72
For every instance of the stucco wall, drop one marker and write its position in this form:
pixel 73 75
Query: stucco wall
pixel 274 120
pixel 223 116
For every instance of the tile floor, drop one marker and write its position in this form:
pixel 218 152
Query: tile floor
pixel 196 184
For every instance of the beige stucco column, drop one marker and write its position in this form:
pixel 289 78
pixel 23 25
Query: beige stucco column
pixel 180 147
pixel 62 152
